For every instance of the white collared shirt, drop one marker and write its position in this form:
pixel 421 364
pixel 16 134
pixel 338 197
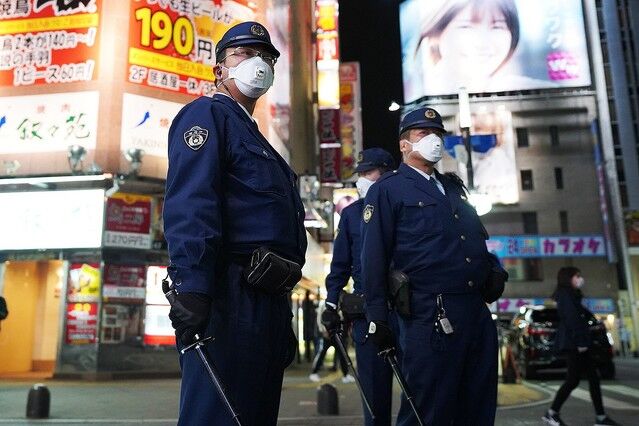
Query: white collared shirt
pixel 241 106
pixel 429 177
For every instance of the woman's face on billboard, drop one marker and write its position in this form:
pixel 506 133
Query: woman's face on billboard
pixel 476 42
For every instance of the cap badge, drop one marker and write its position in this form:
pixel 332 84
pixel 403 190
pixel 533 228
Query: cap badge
pixel 257 30
pixel 430 113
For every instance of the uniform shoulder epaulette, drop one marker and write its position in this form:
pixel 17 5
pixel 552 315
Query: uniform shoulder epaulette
pixel 387 175
pixel 455 179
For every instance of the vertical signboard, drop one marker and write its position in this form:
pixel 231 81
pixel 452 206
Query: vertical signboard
pixel 128 221
pixel 81 323
pixel 124 284
pixel 350 116
pixel 48 41
pixel 157 326
pixel 83 284
pixel 172 43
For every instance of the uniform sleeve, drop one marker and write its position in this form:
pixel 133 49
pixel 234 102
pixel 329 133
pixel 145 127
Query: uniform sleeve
pixel 192 205
pixel 377 244
pixel 341 262
pixel 570 314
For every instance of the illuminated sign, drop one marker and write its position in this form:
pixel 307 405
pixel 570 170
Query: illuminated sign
pixel 491 46
pixel 48 41
pixel 547 246
pixel 51 219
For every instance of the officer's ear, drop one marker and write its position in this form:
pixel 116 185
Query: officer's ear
pixel 404 146
pixel 217 71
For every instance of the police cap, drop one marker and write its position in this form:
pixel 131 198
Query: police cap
pixel 421 118
pixel 245 34
pixel 374 158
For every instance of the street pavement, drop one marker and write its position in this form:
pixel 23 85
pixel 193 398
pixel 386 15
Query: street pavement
pixel 154 401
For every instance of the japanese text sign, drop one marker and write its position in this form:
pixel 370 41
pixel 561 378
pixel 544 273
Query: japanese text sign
pixel 547 246
pixel 128 221
pixel 172 42
pixel 44 123
pixel 48 41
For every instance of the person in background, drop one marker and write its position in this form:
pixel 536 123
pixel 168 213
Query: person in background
pixel 324 346
pixel 573 339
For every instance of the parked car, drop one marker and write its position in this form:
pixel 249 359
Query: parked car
pixel 532 340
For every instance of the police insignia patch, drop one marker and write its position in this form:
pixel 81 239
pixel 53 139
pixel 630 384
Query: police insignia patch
pixel 195 137
pixel 430 113
pixel 257 30
pixel 368 213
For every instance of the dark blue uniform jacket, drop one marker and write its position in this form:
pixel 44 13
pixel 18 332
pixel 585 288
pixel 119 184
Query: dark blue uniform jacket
pixel 346 253
pixel 227 196
pixel 436 239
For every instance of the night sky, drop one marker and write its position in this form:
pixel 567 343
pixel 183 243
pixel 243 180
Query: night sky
pixel 369 34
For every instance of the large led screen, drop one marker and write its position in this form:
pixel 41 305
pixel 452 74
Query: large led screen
pixel 491 46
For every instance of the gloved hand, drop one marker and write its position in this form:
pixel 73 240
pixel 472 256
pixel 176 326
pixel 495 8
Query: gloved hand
pixel 189 315
pixel 382 335
pixel 331 319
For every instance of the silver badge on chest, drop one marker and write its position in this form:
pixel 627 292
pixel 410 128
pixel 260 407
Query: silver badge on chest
pixel 195 137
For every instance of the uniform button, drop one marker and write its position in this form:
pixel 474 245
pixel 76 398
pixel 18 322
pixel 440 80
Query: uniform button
pixel 468 260
pixel 463 237
pixel 265 153
pixel 456 216
pixel 470 283
pixel 421 204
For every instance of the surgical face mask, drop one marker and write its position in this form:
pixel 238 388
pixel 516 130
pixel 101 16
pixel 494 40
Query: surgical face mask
pixel 429 147
pixel 578 282
pixel 363 185
pixel 253 77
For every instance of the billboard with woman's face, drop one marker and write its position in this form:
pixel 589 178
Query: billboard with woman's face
pixel 491 46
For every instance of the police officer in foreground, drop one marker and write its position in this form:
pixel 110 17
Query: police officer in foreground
pixel 417 223
pixel 375 375
pixel 232 207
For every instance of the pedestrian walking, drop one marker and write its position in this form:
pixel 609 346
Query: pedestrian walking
pixel 375 375
pixel 574 341
pixel 418 224
pixel 234 225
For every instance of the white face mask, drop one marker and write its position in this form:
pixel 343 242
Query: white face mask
pixel 430 147
pixel 253 77
pixel 363 185
pixel 579 282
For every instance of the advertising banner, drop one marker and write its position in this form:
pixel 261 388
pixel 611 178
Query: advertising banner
pixel 40 220
pixel 157 326
pixel 81 323
pixel 494 165
pixel 328 127
pixel 84 282
pixel 172 43
pixel 350 116
pixel 491 46
pixel 154 293
pixel 513 305
pixel 124 284
pixel 535 246
pixel 128 221
pixel 146 122
pixel 330 165
pixel 44 123
pixel 48 41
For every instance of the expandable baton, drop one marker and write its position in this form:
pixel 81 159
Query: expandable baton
pixel 199 347
pixel 389 356
pixel 349 362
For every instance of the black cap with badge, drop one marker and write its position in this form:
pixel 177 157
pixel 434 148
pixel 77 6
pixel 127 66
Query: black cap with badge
pixel 246 34
pixel 421 118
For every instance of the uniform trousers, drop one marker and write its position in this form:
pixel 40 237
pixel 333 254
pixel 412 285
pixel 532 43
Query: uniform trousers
pixel 453 378
pixel 254 343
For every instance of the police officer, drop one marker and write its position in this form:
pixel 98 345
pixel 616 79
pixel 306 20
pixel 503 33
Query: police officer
pixel 419 222
pixel 228 193
pixel 375 375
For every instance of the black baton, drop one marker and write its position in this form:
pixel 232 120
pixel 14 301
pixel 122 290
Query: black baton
pixel 342 349
pixel 199 347
pixel 389 356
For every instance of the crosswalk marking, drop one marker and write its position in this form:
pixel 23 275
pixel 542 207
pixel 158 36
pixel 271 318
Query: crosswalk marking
pixel 608 402
pixel 622 390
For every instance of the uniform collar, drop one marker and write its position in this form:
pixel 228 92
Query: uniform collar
pixel 248 114
pixel 420 183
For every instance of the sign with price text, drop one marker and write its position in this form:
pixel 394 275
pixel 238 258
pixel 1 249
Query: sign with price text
pixel 172 43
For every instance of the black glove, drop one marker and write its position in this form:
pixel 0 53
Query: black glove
pixel 189 315
pixel 330 319
pixel 382 335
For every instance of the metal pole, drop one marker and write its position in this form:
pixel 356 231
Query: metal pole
pixel 389 356
pixel 469 163
pixel 349 362
pixel 609 160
